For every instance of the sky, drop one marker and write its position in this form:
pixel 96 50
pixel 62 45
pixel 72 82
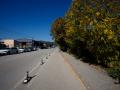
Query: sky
pixel 30 18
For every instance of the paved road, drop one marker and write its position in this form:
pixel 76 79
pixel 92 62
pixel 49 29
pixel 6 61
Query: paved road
pixel 13 67
pixel 59 72
pixel 55 74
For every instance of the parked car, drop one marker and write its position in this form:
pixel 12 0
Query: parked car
pixel 4 51
pixel 27 49
pixel 33 48
pixel 7 51
pixel 21 50
pixel 13 50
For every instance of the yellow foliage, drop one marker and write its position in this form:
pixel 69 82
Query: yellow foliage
pixel 86 17
pixel 110 37
pixel 100 26
pixel 105 31
pixel 110 34
pixel 69 31
pixel 91 23
pixel 97 13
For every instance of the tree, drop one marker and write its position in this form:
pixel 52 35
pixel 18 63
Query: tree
pixel 58 33
pixel 91 28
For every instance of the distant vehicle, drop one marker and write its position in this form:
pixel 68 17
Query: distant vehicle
pixel 33 48
pixel 27 49
pixel 21 50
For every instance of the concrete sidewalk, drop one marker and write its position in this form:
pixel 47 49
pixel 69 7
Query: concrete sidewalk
pixel 93 78
pixel 55 74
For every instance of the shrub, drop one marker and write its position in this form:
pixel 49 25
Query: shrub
pixel 115 73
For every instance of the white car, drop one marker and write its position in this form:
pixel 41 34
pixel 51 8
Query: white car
pixel 13 50
pixel 8 51
pixel 4 51
pixel 20 50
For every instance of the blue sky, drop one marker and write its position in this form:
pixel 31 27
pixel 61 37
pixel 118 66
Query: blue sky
pixel 30 18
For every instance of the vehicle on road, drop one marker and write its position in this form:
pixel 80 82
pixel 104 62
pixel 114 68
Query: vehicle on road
pixel 4 51
pixel 20 50
pixel 13 50
pixel 27 49
pixel 33 48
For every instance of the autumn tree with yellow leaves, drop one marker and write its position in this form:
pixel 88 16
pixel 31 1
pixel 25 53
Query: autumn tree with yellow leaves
pixel 92 25
pixel 58 33
pixel 91 28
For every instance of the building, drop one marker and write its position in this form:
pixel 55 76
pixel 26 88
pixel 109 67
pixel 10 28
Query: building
pixel 10 43
pixel 28 43
pixel 25 43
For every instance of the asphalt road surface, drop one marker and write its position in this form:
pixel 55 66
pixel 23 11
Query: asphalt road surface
pixel 54 74
pixel 13 67
pixel 59 72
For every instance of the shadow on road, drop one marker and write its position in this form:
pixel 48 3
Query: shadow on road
pixel 28 79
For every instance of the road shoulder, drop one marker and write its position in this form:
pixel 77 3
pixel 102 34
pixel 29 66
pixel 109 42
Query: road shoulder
pixel 92 78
